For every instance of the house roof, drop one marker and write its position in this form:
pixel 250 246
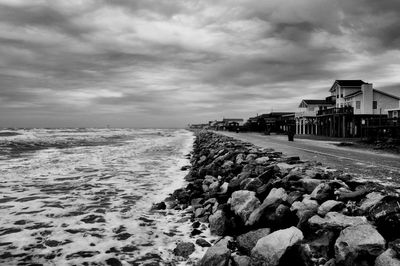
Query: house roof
pixel 348 83
pixel 317 102
pixel 232 120
pixel 353 94
pixel 378 91
pixel 387 94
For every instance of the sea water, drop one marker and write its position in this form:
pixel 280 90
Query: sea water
pixel 83 196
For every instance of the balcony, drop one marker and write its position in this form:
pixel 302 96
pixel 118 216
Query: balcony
pixel 305 114
pixel 348 110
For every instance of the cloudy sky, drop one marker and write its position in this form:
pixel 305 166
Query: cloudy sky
pixel 166 63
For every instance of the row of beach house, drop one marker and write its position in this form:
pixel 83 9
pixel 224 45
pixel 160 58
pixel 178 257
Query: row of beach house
pixel 354 108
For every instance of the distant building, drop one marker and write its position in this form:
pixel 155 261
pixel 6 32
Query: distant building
pixel 306 117
pixel 230 121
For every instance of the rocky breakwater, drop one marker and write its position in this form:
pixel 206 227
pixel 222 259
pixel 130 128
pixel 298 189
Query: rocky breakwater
pixel 272 210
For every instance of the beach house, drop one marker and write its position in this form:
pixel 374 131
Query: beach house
pixel 356 103
pixel 306 116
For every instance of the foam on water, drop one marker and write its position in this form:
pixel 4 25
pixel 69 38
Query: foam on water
pixel 84 195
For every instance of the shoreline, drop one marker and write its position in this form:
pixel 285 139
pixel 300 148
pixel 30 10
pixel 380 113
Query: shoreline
pixel 270 210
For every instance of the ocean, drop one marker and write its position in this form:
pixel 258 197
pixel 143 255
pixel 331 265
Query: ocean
pixel 83 196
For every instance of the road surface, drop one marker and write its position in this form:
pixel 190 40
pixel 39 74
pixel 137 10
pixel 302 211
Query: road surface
pixel 378 166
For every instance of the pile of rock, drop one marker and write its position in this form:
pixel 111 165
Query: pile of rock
pixel 272 210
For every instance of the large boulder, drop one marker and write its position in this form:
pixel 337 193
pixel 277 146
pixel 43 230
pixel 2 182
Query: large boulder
pixel 247 242
pixel 329 206
pixel 322 192
pixel 184 249
pixel 386 215
pixel 218 223
pixel 335 220
pixel 371 200
pixel 271 248
pixel 217 255
pixel 387 258
pixel 269 205
pixel 358 244
pixel 243 203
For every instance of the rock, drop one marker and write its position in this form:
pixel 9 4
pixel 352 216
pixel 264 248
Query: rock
pixel 217 255
pixel 271 202
pixel 269 249
pixel 113 262
pixel 322 192
pixel 159 206
pixel 243 203
pixel 329 206
pixel 253 184
pixel 306 205
pixel 184 249
pixel 228 164
pixel 267 175
pixel 309 184
pixel 358 243
pixel 387 258
pixel 294 196
pixel 262 160
pixel 336 221
pixel 224 188
pixel 214 187
pixel 386 215
pixel 320 246
pixel 218 223
pixel 241 260
pixel 240 158
pixel 371 200
pixel 202 242
pixel 248 241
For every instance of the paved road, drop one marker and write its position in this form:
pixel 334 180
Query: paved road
pixel 384 167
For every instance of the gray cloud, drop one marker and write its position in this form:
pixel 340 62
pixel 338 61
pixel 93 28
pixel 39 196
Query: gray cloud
pixel 167 63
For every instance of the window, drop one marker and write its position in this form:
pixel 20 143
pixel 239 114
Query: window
pixel 375 105
pixel 358 104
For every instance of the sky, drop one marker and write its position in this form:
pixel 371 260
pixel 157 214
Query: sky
pixel 167 63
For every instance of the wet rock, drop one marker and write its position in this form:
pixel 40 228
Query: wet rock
pixel 92 218
pixel 202 242
pixel 270 249
pixel 184 249
pixel 387 258
pixel 329 206
pixel 159 206
pixel 217 255
pixel 113 262
pixel 248 241
pixel 82 254
pixel 243 203
pixel 358 243
pixel 218 223
pixel 335 220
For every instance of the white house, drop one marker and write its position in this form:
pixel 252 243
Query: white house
pixel 306 117
pixel 364 99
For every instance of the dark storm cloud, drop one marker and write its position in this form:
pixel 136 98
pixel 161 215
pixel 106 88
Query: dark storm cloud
pixel 156 62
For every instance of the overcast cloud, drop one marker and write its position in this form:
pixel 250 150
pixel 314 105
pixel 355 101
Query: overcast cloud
pixel 166 63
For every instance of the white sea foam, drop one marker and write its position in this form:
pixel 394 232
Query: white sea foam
pixel 84 195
